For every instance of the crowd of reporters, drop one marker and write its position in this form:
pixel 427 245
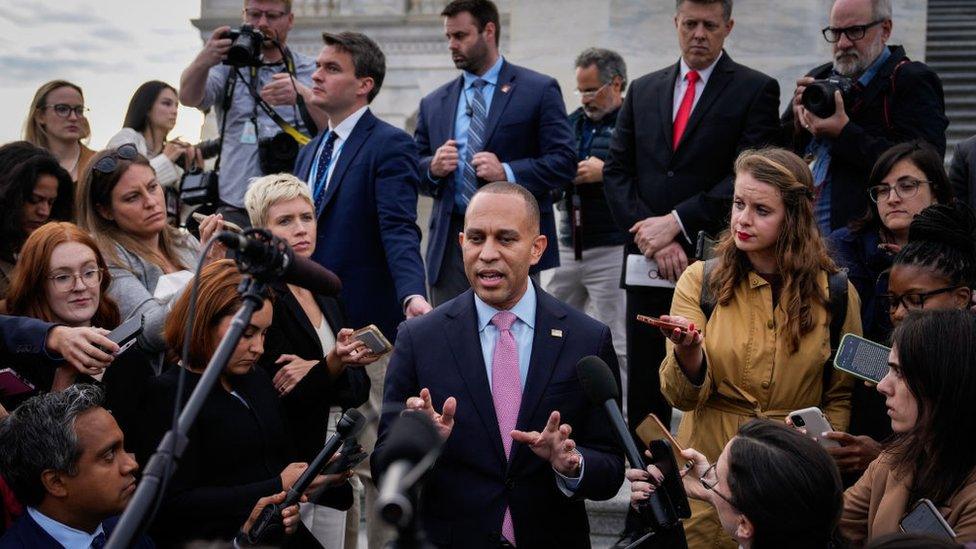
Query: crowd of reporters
pixel 834 218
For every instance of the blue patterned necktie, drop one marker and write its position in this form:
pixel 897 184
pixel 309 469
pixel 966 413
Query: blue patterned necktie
pixel 476 139
pixel 322 171
pixel 99 541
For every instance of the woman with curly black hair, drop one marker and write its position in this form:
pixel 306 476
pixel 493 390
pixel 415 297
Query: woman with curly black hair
pixel 34 189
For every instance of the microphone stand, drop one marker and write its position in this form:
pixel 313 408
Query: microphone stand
pixel 163 463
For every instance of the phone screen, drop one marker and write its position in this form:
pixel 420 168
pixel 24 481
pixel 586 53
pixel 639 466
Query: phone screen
pixel 925 519
pixel 862 358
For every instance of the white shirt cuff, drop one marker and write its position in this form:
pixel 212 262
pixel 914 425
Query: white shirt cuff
pixel 681 226
pixel 569 485
pixel 509 174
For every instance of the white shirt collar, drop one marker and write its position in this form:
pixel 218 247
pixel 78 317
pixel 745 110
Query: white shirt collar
pixel 70 538
pixel 346 126
pixel 702 74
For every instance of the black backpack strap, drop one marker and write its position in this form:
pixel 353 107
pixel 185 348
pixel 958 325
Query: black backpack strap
pixel 706 300
pixel 837 308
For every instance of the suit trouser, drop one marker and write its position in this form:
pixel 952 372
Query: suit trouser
pixel 451 280
pixel 378 534
pixel 592 285
pixel 645 352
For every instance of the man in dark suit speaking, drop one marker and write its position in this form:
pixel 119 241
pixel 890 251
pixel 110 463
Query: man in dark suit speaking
pixel 496 122
pixel 495 368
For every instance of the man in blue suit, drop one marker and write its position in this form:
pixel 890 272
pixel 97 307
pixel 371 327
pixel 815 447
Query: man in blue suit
pixel 524 447
pixel 496 122
pixel 364 177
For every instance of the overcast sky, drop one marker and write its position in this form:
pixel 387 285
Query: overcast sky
pixel 108 47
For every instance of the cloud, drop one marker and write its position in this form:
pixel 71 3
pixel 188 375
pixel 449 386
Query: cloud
pixel 35 13
pixel 17 69
pixel 111 33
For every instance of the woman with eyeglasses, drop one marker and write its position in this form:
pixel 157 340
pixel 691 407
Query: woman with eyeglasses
pixel 762 351
pixel 148 120
pixel 62 278
pixel 121 203
pixel 56 121
pixel 907 179
pixel 929 393
pixel 34 189
pixel 771 487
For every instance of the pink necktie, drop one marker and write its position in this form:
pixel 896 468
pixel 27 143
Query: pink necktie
pixel 506 392
pixel 684 110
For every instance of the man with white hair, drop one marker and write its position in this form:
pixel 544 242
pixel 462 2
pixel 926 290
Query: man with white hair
pixel 891 99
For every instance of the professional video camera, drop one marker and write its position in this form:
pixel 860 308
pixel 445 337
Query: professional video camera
pixel 818 98
pixel 245 50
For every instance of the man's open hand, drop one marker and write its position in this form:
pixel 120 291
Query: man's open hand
pixel 553 445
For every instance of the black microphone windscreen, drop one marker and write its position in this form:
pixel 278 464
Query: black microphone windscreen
pixel 412 436
pixel 597 380
pixel 311 276
pixel 351 423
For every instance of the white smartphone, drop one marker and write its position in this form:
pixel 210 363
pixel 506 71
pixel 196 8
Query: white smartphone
pixel 232 227
pixel 815 422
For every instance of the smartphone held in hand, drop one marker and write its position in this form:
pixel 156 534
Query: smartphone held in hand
pixel 815 422
pixel 373 339
pixel 658 323
pixel 862 358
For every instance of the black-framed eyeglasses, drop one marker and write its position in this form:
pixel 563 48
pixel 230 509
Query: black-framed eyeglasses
pixel 710 480
pixel 913 301
pixel 65 282
pixel 905 187
pixel 853 32
pixel 64 110
pixel 254 15
pixel 108 163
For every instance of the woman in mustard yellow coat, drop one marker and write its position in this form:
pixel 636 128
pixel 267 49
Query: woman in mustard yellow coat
pixel 763 350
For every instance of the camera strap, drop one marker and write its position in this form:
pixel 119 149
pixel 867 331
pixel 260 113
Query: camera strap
pixel 225 107
pixel 292 131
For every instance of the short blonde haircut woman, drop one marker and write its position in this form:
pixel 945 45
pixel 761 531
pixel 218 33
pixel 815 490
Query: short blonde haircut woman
pixel 267 191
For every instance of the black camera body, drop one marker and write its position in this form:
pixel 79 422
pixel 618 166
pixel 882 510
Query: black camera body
pixel 199 187
pixel 245 48
pixel 818 98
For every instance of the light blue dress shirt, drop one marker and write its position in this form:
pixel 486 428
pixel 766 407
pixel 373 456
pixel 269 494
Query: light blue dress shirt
pixel 523 330
pixel 462 121
pixel 67 536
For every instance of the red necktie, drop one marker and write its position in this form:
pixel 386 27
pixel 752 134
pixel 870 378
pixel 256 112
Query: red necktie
pixel 684 111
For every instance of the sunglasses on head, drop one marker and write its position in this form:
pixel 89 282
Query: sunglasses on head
pixel 110 162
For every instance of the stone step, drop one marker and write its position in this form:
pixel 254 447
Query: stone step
pixel 607 517
pixel 965 90
pixel 958 76
pixel 967 44
pixel 949 55
pixel 941 66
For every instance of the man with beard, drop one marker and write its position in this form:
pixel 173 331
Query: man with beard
pixel 283 81
pixel 496 122
pixel 891 100
pixel 590 243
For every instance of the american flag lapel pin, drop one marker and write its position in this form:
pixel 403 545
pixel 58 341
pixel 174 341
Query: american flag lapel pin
pixel 505 88
pixel 556 333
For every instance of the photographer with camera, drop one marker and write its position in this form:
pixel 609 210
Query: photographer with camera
pixel 845 114
pixel 260 90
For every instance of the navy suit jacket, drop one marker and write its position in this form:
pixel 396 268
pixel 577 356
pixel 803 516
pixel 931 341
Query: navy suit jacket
pixel 367 232
pixel 27 534
pixel 465 495
pixel 20 335
pixel 527 128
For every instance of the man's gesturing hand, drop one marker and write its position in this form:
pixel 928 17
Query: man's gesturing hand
pixel 553 445
pixel 444 421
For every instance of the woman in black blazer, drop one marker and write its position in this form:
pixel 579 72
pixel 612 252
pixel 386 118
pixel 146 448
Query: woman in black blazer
pixel 240 446
pixel 309 353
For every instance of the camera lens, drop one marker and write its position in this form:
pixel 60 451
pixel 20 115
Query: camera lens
pixel 818 98
pixel 798 421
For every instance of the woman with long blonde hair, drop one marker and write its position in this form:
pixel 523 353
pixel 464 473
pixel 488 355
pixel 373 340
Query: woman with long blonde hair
pixel 56 121
pixel 762 349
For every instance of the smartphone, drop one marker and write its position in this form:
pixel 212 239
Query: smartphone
pixel 126 333
pixel 704 247
pixel 862 358
pixel 232 227
pixel 658 323
pixel 925 519
pixel 673 489
pixel 652 429
pixel 12 384
pixel 815 422
pixel 373 339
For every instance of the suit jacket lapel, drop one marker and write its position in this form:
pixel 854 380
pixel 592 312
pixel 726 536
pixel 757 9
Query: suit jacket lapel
pixel 295 310
pixel 504 89
pixel 665 99
pixel 449 104
pixel 717 82
pixel 549 316
pixel 465 344
pixel 350 149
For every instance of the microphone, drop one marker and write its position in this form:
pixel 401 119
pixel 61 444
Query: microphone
pixel 600 388
pixel 260 253
pixel 468 111
pixel 349 426
pixel 413 446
